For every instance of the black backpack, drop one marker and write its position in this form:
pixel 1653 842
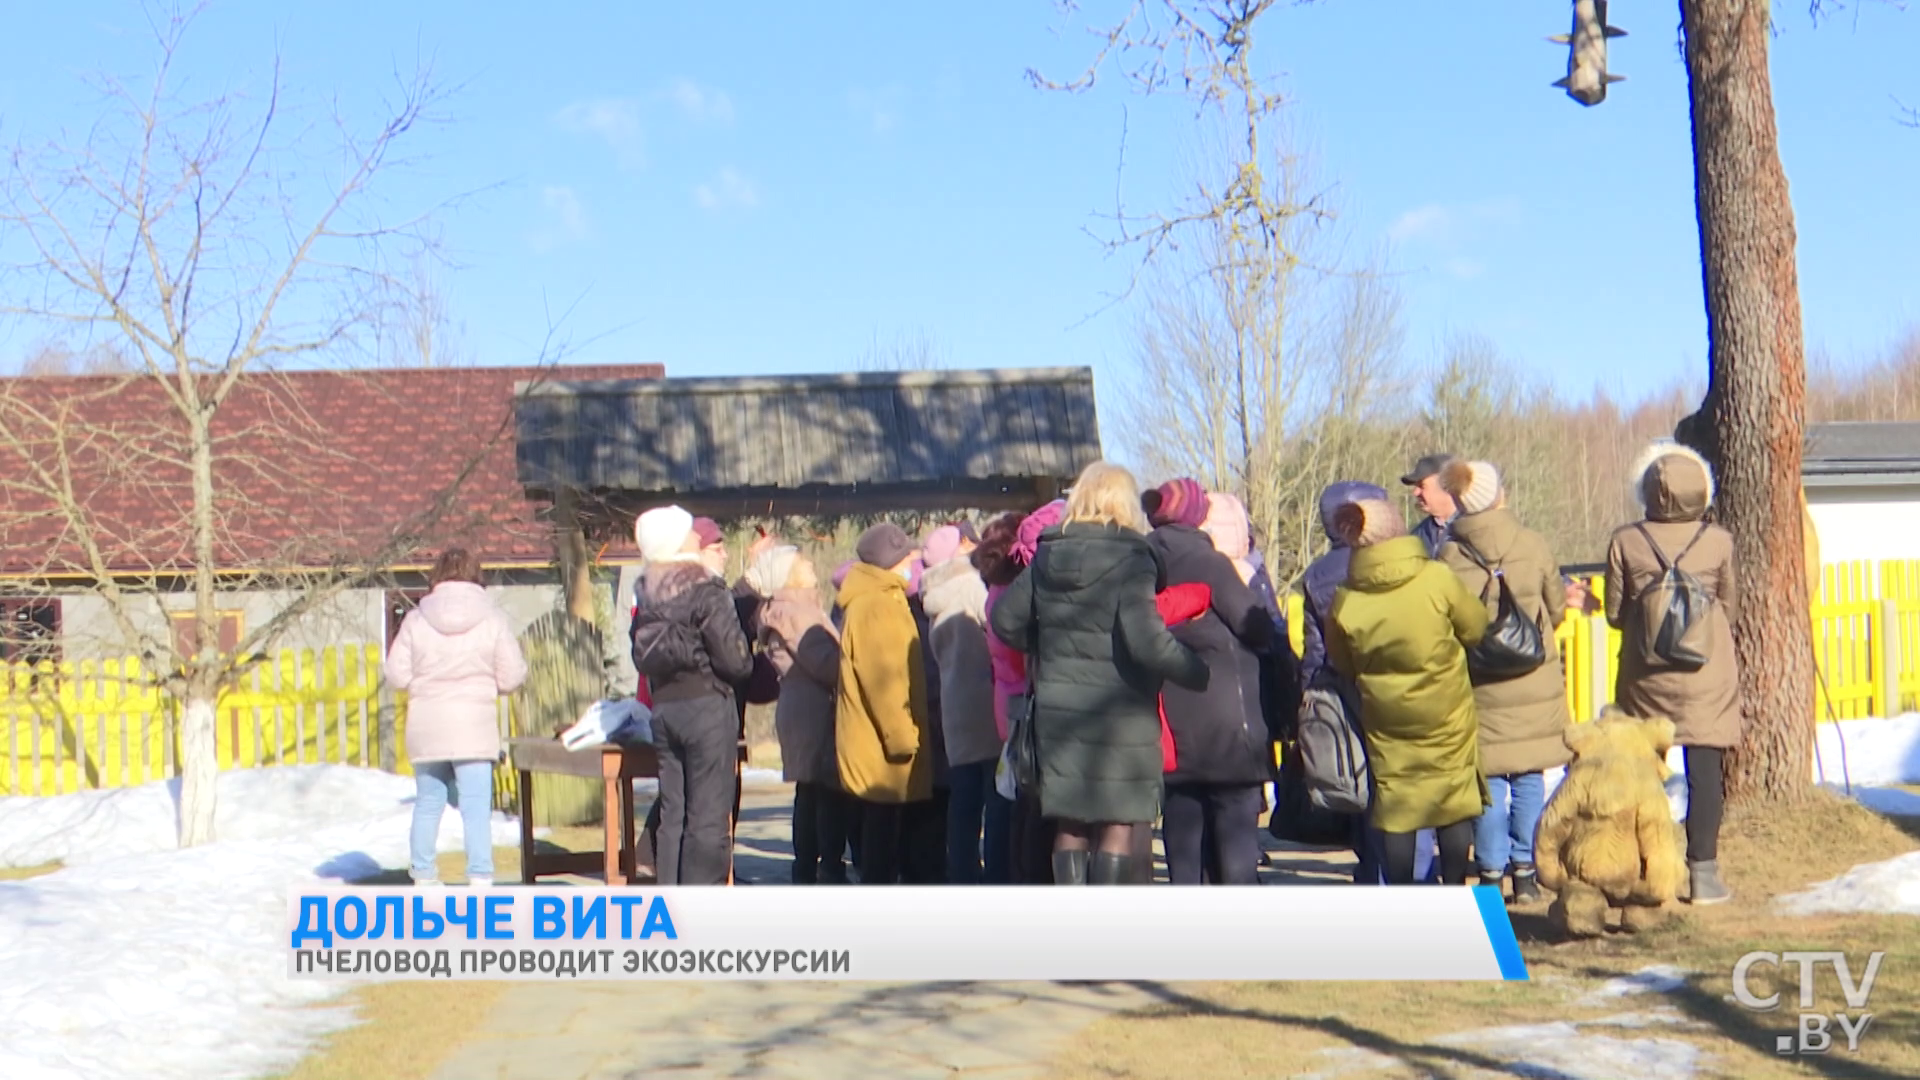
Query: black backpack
pixel 662 647
pixel 1673 611
pixel 1513 644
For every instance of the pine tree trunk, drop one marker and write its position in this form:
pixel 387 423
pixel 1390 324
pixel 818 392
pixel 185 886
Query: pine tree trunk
pixel 1752 421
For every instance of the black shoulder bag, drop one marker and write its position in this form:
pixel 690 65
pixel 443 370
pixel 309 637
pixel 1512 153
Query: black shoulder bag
pixel 1513 645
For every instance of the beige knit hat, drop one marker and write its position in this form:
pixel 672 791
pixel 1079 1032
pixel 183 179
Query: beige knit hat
pixel 1368 522
pixel 1474 485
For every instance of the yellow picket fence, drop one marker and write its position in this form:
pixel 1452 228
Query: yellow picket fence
pixel 74 727
pixel 106 724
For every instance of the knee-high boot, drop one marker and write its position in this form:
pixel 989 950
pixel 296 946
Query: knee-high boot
pixel 1070 868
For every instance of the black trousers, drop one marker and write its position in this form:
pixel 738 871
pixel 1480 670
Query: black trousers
pixel 1706 801
pixel 1456 845
pixel 697 742
pixel 822 815
pixel 903 843
pixel 1031 843
pixel 1212 833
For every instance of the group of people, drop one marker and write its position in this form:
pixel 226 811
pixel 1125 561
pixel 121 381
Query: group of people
pixel 1135 648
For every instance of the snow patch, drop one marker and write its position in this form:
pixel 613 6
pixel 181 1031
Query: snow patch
pixel 1871 752
pixel 254 804
pixel 1658 979
pixel 1883 800
pixel 1557 1050
pixel 175 959
pixel 1560 1050
pixel 1883 888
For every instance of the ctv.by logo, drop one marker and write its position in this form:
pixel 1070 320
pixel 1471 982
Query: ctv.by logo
pixel 1814 1035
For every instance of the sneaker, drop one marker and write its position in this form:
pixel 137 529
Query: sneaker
pixel 426 882
pixel 480 881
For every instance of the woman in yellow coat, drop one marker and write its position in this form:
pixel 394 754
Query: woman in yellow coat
pixel 1400 628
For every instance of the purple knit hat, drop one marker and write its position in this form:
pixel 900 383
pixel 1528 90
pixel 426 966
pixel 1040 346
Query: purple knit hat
pixel 1027 544
pixel 1177 502
pixel 840 575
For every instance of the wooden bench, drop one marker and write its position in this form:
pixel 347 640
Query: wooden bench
pixel 618 767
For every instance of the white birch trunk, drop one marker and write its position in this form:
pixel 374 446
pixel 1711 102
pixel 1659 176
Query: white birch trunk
pixel 199 768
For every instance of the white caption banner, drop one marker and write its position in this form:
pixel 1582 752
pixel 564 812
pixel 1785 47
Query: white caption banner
pixel 905 933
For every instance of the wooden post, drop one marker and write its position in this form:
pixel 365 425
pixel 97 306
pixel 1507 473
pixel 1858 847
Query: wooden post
pixel 389 753
pixel 1599 659
pixel 1887 660
pixel 610 773
pixel 526 827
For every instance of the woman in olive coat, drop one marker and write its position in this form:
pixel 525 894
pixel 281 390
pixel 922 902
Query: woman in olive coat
pixel 1400 628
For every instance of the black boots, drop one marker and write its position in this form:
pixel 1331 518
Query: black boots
pixel 1070 868
pixel 1526 885
pixel 1111 869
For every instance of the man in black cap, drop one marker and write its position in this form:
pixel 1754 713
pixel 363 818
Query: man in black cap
pixel 1433 501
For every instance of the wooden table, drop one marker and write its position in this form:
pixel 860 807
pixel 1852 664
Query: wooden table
pixel 618 766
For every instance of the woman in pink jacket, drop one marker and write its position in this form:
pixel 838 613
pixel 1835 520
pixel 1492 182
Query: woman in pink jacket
pixel 454 656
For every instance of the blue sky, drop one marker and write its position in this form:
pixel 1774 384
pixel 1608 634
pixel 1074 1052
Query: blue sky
pixel 764 187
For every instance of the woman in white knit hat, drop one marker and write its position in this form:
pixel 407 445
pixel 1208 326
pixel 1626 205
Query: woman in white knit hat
pixel 688 645
pixel 1522 717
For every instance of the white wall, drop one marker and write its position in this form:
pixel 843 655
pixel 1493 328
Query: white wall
pixel 1871 523
pixel 356 617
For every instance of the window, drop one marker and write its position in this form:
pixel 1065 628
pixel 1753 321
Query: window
pixel 399 602
pixel 29 630
pixel 186 631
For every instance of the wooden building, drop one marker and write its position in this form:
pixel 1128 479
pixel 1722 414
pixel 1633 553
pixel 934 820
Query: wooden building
pixel 807 444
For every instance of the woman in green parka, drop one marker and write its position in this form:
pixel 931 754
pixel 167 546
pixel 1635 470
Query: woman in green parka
pixel 1399 628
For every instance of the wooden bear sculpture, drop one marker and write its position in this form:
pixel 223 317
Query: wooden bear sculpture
pixel 1607 837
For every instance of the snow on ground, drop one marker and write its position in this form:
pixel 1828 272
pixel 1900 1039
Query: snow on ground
pixel 1658 979
pixel 1563 1050
pixel 1873 752
pixel 1883 888
pixel 138 958
pixel 1884 800
pixel 1560 1050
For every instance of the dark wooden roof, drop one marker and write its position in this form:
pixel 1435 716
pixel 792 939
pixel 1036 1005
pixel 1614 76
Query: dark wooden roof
pixel 954 438
pixel 1861 448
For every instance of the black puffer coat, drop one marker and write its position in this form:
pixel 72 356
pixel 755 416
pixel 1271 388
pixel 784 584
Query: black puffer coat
pixel 1219 732
pixel 1098 656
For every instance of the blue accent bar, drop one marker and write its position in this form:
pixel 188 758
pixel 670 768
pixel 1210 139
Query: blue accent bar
pixel 1506 948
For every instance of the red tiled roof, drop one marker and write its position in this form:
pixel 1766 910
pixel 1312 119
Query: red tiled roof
pixel 312 468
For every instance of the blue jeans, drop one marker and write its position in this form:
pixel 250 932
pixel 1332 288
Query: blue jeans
pixel 468 785
pixel 1504 832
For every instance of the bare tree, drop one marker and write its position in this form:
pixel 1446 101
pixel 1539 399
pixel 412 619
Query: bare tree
pixel 908 351
pixel 183 229
pixel 56 358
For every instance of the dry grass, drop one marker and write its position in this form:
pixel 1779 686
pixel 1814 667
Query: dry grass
pixel 1279 1029
pixel 411 1027
pixel 22 873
